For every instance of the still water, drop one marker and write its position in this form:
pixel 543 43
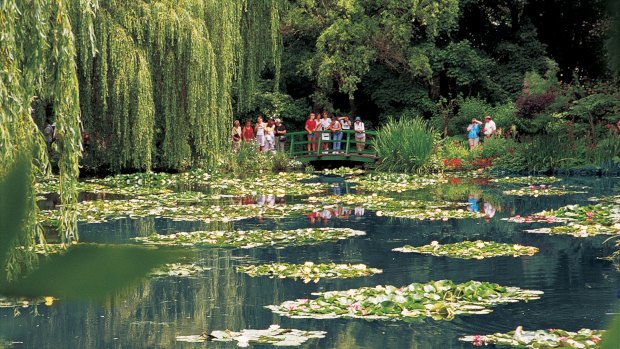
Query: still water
pixel 580 290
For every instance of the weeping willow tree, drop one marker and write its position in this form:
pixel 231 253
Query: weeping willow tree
pixel 152 81
pixel 159 92
pixel 37 55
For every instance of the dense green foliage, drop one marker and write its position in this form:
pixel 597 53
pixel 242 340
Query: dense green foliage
pixel 404 145
pixel 159 90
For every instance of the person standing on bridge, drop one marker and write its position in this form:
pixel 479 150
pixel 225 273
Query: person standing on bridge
pixel 360 134
pixel 336 128
pixel 280 135
pixel 259 130
pixel 325 127
pixel 311 126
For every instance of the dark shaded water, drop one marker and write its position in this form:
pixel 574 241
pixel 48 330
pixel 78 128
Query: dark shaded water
pixel 580 290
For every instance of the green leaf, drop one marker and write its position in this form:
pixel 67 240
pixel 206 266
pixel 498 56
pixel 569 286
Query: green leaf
pixel 13 208
pixel 90 272
pixel 611 339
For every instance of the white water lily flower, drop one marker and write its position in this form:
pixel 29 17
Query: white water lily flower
pixel 480 244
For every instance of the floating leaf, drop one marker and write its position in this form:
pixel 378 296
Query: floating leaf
pixel 274 335
pixel 471 249
pixel 309 270
pixel 252 238
pixel 541 339
pixel 441 300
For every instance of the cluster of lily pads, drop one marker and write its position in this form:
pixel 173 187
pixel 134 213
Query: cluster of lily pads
pixel 309 271
pixel 280 184
pixel 471 249
pixel 441 300
pixel 528 180
pixel 6 302
pixel 179 270
pixel 180 206
pixel 541 190
pixel 394 182
pixel 580 220
pixel 390 207
pixel 541 339
pixel 274 335
pixel 343 171
pixel 252 238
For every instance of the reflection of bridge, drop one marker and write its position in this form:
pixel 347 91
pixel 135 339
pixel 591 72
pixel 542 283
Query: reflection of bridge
pixel 298 147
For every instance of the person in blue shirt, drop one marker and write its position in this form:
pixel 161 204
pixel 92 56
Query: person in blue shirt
pixel 472 133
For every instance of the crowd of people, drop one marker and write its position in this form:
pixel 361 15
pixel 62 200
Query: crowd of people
pixel 271 135
pixel 268 136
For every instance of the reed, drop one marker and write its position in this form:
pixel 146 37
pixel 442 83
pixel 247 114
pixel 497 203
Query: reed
pixel 405 145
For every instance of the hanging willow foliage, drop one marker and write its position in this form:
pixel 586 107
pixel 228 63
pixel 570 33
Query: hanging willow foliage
pixel 152 79
pixel 162 81
pixel 37 53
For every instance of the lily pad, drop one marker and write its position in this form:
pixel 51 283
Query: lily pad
pixel 394 182
pixel 541 190
pixel 471 249
pixel 309 271
pixel 185 206
pixel 441 300
pixel 529 180
pixel 579 220
pixel 252 238
pixel 541 339
pixel 343 171
pixel 274 335
pixel 179 270
pixel 390 207
pixel 9 302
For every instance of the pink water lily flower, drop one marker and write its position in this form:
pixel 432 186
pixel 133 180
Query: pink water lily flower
pixel 533 187
pixel 355 306
pixel 290 307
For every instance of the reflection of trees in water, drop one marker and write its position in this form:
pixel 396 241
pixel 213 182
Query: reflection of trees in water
pixel 149 315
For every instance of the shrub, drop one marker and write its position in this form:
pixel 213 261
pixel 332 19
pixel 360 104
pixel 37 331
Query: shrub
pixel 405 145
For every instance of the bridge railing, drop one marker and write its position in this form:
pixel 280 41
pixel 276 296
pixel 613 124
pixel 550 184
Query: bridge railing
pixel 298 144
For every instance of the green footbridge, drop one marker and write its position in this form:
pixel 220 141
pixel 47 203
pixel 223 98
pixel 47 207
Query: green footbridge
pixel 298 147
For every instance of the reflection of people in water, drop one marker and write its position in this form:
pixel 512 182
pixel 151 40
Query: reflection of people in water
pixel 313 216
pixel 489 211
pixel 358 211
pixel 472 203
pixel 336 190
pixel 260 200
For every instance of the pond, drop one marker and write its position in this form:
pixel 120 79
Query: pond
pixel 580 290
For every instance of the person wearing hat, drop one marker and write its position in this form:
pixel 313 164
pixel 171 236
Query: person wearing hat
pixel 360 134
pixel 280 135
pixel 489 127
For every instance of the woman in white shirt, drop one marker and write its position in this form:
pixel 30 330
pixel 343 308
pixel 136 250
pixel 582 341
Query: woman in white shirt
pixel 259 131
pixel 325 127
